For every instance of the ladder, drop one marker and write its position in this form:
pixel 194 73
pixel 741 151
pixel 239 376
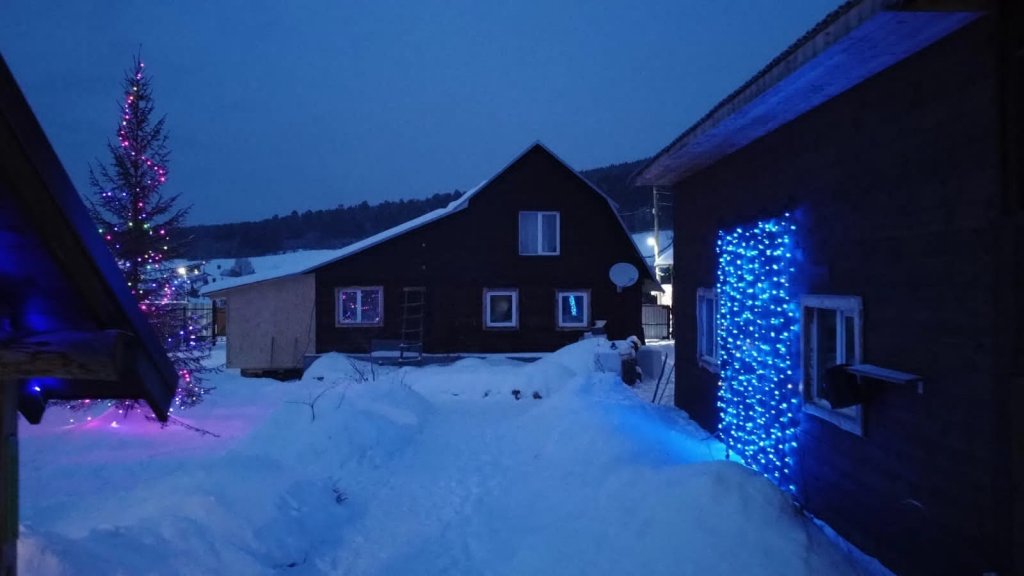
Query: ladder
pixel 413 309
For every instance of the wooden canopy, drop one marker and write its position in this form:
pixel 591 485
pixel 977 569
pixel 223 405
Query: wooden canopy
pixel 69 327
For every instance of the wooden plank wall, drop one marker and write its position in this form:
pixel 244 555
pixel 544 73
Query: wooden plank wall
pixel 456 257
pixel 895 185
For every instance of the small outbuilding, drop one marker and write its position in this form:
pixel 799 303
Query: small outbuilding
pixel 850 288
pixel 519 264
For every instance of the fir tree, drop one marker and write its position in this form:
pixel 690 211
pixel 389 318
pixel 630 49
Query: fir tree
pixel 142 225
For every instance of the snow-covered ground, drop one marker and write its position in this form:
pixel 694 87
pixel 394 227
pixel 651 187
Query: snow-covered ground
pixel 665 388
pixel 418 471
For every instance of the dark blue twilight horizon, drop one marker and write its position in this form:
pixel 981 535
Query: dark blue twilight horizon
pixel 278 106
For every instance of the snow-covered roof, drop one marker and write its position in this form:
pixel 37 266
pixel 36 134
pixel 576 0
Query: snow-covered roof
pixel 313 259
pixel 641 240
pixel 452 207
pixel 266 268
pixel 303 266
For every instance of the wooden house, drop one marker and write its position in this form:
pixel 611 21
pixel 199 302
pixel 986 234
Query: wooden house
pixel 518 264
pixel 850 291
pixel 69 327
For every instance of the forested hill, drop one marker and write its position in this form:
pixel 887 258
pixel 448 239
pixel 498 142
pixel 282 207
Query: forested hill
pixel 337 227
pixel 634 202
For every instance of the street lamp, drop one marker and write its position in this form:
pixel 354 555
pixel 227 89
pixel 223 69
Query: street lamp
pixel 653 242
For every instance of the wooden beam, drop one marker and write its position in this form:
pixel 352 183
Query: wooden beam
pixel 98 355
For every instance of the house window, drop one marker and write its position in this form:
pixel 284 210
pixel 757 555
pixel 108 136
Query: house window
pixel 538 233
pixel 360 306
pixel 830 335
pixel 501 308
pixel 707 334
pixel 573 308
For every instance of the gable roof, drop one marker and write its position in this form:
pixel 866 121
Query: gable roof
pixel 454 206
pixel 57 274
pixel 856 41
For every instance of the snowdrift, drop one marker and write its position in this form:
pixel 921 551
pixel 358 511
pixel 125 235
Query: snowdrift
pixel 436 470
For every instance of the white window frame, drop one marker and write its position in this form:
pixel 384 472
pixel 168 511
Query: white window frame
pixel 339 323
pixel 850 419
pixel 586 310
pixel 514 293
pixel 708 362
pixel 540 233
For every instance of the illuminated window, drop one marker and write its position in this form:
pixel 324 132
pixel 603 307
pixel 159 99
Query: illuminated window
pixel 538 233
pixel 707 334
pixel 573 309
pixel 831 335
pixel 501 308
pixel 360 306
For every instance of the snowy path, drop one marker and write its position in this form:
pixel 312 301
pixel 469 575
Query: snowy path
pixel 426 471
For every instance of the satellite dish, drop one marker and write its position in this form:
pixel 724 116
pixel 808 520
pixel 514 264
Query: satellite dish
pixel 623 274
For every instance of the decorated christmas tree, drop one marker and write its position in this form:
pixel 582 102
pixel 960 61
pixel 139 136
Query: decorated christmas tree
pixel 142 226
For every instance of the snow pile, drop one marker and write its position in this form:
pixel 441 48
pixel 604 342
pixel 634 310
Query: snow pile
pixel 360 469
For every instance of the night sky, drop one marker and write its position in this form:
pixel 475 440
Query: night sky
pixel 276 106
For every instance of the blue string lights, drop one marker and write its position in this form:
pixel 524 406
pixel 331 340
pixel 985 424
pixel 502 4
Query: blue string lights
pixel 758 323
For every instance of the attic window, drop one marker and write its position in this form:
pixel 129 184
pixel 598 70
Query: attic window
pixel 360 306
pixel 538 233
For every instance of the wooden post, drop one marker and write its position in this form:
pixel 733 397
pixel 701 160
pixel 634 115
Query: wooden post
pixel 8 478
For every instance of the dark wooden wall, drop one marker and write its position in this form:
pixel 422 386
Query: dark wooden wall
pixel 1009 297
pixel 895 185
pixel 456 257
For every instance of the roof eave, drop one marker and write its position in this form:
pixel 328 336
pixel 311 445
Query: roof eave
pixel 856 41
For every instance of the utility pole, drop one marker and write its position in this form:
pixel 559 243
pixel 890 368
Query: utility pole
pixel 654 212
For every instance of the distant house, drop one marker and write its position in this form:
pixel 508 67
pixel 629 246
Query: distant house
pixel 69 327
pixel 519 264
pixel 850 225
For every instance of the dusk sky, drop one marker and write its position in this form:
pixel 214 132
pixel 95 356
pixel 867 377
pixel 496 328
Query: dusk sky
pixel 277 106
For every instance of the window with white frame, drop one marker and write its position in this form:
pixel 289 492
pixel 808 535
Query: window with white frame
pixel 538 233
pixel 360 306
pixel 707 333
pixel 830 336
pixel 573 308
pixel 501 308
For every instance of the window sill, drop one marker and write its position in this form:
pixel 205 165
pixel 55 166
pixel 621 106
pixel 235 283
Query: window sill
pixel 501 328
pixel 358 325
pixel 710 365
pixel 854 424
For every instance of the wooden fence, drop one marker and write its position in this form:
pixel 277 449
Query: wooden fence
pixel 657 322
